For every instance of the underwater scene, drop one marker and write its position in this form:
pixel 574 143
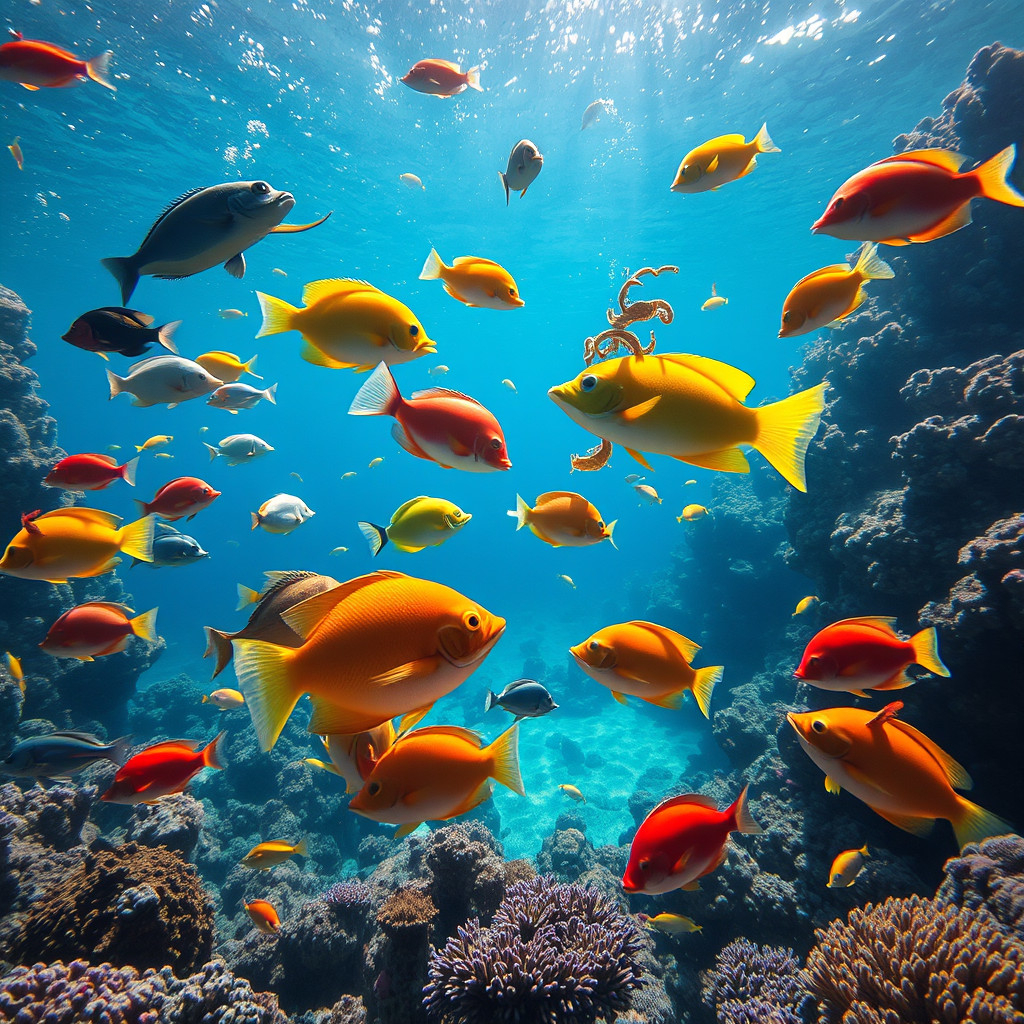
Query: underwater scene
pixel 511 512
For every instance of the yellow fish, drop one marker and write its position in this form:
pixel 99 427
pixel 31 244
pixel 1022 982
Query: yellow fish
pixel 373 462
pixel 412 181
pixel 715 301
pixel 230 314
pixel 691 408
pixel 689 483
pixel 510 386
pixel 831 294
pixel 805 604
pixel 567 580
pixel 691 513
pixel 346 476
pixel 669 924
pixel 563 518
pixel 15 670
pixel 721 160
pixel 474 281
pixel 74 542
pixel 156 441
pixel 162 455
pixel 273 852
pixel 279 271
pixel 19 157
pixel 570 790
pixel 338 550
pixel 226 366
pixel 420 523
pixel 846 867
pixel 348 325
pixel 225 699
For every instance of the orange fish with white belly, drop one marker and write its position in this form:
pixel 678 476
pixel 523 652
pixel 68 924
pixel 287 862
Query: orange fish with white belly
pixel 721 160
pixel 648 661
pixel 375 647
pixel 563 518
pixel 34 64
pixel 896 770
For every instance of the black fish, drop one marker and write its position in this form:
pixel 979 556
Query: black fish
pixel 116 329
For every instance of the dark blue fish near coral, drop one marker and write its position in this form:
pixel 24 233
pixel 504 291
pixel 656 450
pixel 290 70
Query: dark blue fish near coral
pixel 116 329
pixel 525 698
pixel 60 754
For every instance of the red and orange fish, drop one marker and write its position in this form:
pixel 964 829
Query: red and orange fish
pixel 97 628
pixel 38 65
pixel 90 472
pixel 162 769
pixel 441 78
pixel 181 497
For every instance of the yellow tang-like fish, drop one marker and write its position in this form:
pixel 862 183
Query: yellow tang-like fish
pixel 721 160
pixel 420 523
pixel 564 518
pixel 691 408
pixel 227 366
pixel 74 542
pixel 474 281
pixel 273 852
pixel 573 791
pixel 348 324
pixel 669 924
pixel 375 647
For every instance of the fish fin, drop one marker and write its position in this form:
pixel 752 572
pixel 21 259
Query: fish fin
pixel 974 823
pixel 262 670
pixel 480 795
pixel 863 778
pixel 693 886
pixel 744 820
pixel 861 693
pixel 831 786
pixel 125 273
pixel 944 158
pixel 909 823
pixel 505 753
pixel 277 315
pixel 144 626
pixel 504 183
pixel 752 163
pixel 98 68
pixel 926 651
pixel 250 368
pixel 885 623
pixel 294 229
pixel 738 383
pixel 871 266
pixel 117 384
pixel 378 396
pixel 635 412
pixel 410 670
pixel 639 458
pixel 220 644
pixel 473 79
pixel 404 830
pixel 328 719
pixel 958 219
pixel 785 430
pixel 213 451
pixel 269 395
pixel 246 597
pixel 318 357
pixel 87 657
pixel 256 520
pixel 412 718
pixel 211 753
pixel 165 336
pixel 713 165
pixel 491 700
pixel 956 774
pixel 136 539
pixel 729 460
pixel 399 433
pixel 993 177
pixel 894 241
pixel 433 267
pixel 128 471
pixel 674 700
pixel 764 143
pixel 376 536
pixel 887 714
pixel 704 684
pixel 236 266
pixel 31 88
pixel 305 616
pixel 300 849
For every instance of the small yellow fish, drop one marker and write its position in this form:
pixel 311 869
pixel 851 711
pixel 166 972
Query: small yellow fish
pixel 113 447
pixel 15 670
pixel 345 476
pixel 19 157
pixel 279 272
pixel 226 366
pixel 721 160
pixel 162 455
pixel 338 550
pixel 474 281
pixel 297 477
pixel 669 924
pixel 224 699
pixel 691 513
pixel 374 462
pixel 689 483
pixel 438 371
pixel 276 851
pixel 231 314
pixel 510 385
pixel 420 523
pixel 567 580
pixel 325 766
pixel 203 430
pixel 647 494
pixel 805 604
pixel 156 441
pixel 411 181
pixel 715 301
pixel 572 791
pixel 846 867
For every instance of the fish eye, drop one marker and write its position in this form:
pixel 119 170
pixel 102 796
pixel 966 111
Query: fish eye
pixel 644 864
pixel 600 525
pixel 413 330
pixel 495 443
pixel 259 188
pixel 594 645
pixel 588 383
pixel 373 789
pixel 787 316
pixel 818 726
pixel 813 661
pixel 837 205
pixel 471 620
pixel 512 292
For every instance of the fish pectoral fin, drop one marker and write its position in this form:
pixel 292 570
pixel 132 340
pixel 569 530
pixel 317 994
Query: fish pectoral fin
pixel 85 657
pixel 713 166
pixel 313 355
pixel 729 460
pixel 294 229
pixel 458 448
pixel 31 88
pixel 958 219
pixel 634 412
pixel 693 886
pixel 620 697
pixel 860 693
pixel 831 786
pixel 669 700
pixel 329 719
pixel 639 458
pixel 480 795
pixel 907 822
pixel 236 266
pixel 684 859
pixel 413 718
pixel 410 670
pixel 399 433
pixel 403 830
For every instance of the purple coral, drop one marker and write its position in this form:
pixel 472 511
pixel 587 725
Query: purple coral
pixel 753 984
pixel 989 876
pixel 552 953
pixel 348 894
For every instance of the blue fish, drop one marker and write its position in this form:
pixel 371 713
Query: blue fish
pixel 172 549
pixel 525 698
pixel 60 754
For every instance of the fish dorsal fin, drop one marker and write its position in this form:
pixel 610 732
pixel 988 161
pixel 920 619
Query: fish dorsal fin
pixel 307 615
pixel 168 529
pixel 334 286
pixel 108 460
pixel 113 606
pixel 276 579
pixel 456 731
pixel 84 737
pixel 408 505
pixel 520 682
pixel 143 319
pixel 548 496
pixel 944 158
pixel 687 648
pixel 167 745
pixel 956 774
pixel 443 393
pixel 736 382
pixel 460 261
pixel 884 623
pixel 686 798
pixel 171 206
pixel 152 360
pixel 85 515
pixel 835 268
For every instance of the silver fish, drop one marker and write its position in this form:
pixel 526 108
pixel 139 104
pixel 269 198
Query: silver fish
pixel 281 514
pixel 173 549
pixel 204 227
pixel 239 448
pixel 163 380
pixel 524 164
pixel 241 396
pixel 525 698
pixel 595 110
pixel 60 754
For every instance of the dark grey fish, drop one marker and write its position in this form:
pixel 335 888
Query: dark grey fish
pixel 204 227
pixel 284 590
pixel 525 698
pixel 116 329
pixel 172 549
pixel 524 164
pixel 60 754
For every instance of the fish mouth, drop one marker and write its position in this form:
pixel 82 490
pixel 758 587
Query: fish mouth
pixel 515 302
pixel 558 394
pixel 630 888
pixel 452 644
pixel 791 718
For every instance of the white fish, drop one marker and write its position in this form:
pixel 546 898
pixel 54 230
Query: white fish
pixel 241 396
pixel 345 476
pixel 279 272
pixel 524 164
pixel 231 314
pixel 438 371
pixel 632 478
pixel 338 550
pixel 595 110
pixel 567 580
pixel 281 514
pixel 239 448
pixel 412 181
pixel 647 494
pixel 163 380
pixel 509 385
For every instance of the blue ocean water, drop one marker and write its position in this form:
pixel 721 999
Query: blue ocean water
pixel 307 97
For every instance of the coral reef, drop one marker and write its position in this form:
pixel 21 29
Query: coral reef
pixel 753 984
pixel 174 822
pixel 989 876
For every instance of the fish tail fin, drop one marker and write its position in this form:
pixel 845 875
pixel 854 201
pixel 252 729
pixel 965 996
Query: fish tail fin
pixel 217 643
pixel 871 266
pixel 211 752
pixel 264 677
pixel 611 529
pixel 473 79
pixel 205 699
pixel 142 506
pixel 504 753
pixel 256 520
pixel 144 626
pixel 119 749
pixel 764 141
pixel 246 597
pixel 376 536
pixel 491 700
pixel 99 68
pixel 432 268
pixel 128 471
pixel 277 315
pixel 522 513
pixel 124 273
pixel 165 335
pixel 250 368
pixel 926 651
pixel 213 451
pixel 993 178
pixel 974 823
pixel 863 851
pixel 136 539
pixel 300 848
pixel 704 684
pixel 785 429
pixel 116 385
pixel 741 813
pixel 378 396
pixel 504 183
pixel 271 394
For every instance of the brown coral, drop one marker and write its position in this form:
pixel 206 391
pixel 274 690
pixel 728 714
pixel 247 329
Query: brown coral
pixel 406 910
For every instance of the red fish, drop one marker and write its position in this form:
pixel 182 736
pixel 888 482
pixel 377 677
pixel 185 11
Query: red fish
pixel 855 655
pixel 441 78
pixel 97 628
pixel 915 197
pixel 181 497
pixel 443 426
pixel 681 840
pixel 38 65
pixel 90 472
pixel 263 916
pixel 160 770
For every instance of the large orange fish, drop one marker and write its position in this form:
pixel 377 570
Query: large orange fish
pixel 915 197
pixel 162 769
pixel 682 840
pixel 38 65
pixel 897 771
pixel 437 773
pixel 375 647
pixel 97 628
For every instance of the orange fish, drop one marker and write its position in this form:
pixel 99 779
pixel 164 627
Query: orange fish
pixel 375 647
pixel 263 916
pixel 855 655
pixel 441 78
pixel 915 197
pixel 97 628
pixel 564 518
pixel 682 840
pixel 181 497
pixel 648 661
pixel 160 770
pixel 437 773
pixel 38 65
pixel 354 756
pixel 897 771
pixel 439 425
pixel 90 472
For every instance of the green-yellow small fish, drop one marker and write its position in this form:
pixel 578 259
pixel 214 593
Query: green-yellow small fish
pixel 691 513
pixel 567 580
pixel 340 550
pixel 669 924
pixel 156 441
pixel 15 670
pixel 19 157
pixel 225 699
pixel 805 604
pixel 420 523
pixel 572 791
pixel 346 476
pixel 276 851
pixel 374 462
